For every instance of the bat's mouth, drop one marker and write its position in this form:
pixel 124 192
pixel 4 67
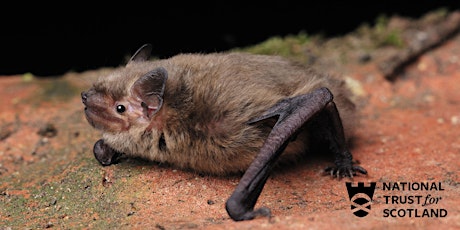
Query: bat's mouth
pixel 89 114
pixel 89 118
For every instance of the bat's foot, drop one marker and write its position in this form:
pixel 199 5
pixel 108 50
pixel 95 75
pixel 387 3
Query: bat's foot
pixel 104 154
pixel 340 172
pixel 345 168
pixel 239 212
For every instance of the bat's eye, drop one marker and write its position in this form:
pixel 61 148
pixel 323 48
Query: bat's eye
pixel 121 109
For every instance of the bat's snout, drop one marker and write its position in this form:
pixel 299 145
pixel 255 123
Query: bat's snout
pixel 84 97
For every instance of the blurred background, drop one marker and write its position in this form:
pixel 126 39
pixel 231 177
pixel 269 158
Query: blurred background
pixel 54 39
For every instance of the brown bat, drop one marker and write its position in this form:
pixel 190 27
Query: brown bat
pixel 219 114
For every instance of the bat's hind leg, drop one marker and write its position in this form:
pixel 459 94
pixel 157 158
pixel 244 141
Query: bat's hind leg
pixel 292 114
pixel 328 126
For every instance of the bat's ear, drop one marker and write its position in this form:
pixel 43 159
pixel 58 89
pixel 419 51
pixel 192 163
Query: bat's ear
pixel 150 89
pixel 142 54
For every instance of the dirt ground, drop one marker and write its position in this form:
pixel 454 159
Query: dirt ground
pixel 409 133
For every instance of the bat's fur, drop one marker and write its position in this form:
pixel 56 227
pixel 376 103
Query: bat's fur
pixel 208 101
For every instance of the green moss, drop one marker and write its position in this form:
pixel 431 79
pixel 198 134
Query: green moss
pixel 291 45
pixel 380 34
pixel 66 195
pixel 57 89
pixel 27 77
pixel 381 23
pixel 392 38
pixel 385 36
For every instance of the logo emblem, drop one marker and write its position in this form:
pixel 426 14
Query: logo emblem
pixel 360 198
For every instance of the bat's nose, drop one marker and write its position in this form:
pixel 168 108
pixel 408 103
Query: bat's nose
pixel 84 97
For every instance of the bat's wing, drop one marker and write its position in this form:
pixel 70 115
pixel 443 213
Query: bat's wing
pixel 292 114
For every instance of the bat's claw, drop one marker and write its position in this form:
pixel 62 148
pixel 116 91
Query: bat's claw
pixel 340 171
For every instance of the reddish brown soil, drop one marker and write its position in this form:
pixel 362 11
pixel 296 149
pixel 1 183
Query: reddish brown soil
pixel 409 132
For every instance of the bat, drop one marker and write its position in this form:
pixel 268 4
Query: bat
pixel 220 114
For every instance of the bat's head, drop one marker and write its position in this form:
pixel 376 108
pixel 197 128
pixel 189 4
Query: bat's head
pixel 128 97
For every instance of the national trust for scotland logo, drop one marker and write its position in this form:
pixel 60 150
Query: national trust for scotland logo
pixel 400 199
pixel 360 198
